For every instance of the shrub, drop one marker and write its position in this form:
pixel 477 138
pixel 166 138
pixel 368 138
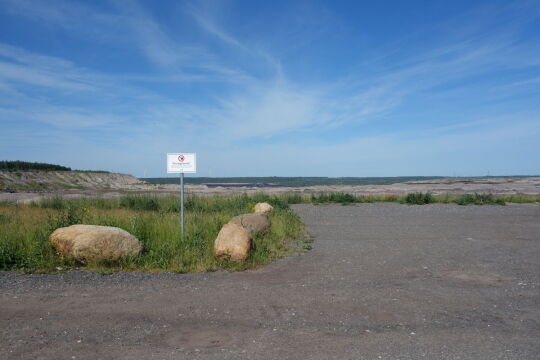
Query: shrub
pixel 419 198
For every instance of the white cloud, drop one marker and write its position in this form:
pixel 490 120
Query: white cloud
pixel 248 105
pixel 267 111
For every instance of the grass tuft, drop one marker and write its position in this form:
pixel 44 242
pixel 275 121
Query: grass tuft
pixel 479 199
pixel 324 198
pixel 419 198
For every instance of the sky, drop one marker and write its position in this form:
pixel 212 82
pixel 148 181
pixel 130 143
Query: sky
pixel 273 88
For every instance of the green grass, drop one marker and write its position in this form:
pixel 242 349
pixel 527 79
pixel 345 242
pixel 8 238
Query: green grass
pixel 24 232
pixel 154 220
pixel 420 198
pixel 479 199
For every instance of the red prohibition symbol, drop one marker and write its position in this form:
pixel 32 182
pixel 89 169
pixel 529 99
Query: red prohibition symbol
pixel 181 158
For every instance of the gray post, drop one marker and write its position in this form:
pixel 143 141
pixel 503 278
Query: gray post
pixel 182 206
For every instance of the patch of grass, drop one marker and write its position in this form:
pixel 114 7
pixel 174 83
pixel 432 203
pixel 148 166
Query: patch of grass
pixel 342 198
pixel 138 202
pixel 24 231
pixel 55 202
pixel 518 198
pixel 479 199
pixel 294 199
pixel 419 198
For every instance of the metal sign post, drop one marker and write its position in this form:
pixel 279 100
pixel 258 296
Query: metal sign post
pixel 182 206
pixel 180 164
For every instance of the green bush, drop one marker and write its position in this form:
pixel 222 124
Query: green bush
pixel 419 198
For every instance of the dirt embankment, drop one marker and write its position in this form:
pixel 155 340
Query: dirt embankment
pixel 64 180
pixel 33 185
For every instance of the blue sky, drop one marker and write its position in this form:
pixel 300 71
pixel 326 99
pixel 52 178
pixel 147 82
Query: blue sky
pixel 284 88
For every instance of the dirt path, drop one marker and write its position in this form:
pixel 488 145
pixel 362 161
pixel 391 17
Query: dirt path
pixel 383 281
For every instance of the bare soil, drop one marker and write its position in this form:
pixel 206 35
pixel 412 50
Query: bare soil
pixel 107 185
pixel 383 281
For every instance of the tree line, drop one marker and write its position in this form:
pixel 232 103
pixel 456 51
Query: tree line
pixel 26 166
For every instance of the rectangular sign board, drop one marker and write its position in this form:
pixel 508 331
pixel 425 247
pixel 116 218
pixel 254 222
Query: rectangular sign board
pixel 181 163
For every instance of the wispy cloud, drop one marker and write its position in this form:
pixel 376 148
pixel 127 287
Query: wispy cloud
pixel 21 66
pixel 213 87
pixel 206 20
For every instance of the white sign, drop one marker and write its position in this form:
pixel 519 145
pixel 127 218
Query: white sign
pixel 181 163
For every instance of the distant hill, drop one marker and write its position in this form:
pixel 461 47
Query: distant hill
pixel 64 180
pixel 37 166
pixel 291 181
pixel 27 166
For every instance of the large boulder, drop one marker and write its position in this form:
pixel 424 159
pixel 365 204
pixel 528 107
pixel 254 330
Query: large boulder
pixel 263 208
pixel 93 243
pixel 233 242
pixel 254 223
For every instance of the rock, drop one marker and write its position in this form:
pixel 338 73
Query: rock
pixel 93 243
pixel 233 242
pixel 254 223
pixel 263 208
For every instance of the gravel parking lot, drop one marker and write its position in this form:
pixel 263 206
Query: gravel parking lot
pixel 383 281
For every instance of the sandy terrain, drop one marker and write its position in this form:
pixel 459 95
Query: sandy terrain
pixel 528 185
pixel 58 180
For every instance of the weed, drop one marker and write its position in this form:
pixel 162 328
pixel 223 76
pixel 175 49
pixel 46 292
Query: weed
pixel 479 199
pixel 419 198
pixel 390 198
pixel 139 202
pixel 56 202
pixel 342 198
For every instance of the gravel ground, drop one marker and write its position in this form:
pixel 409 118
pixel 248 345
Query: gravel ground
pixel 383 281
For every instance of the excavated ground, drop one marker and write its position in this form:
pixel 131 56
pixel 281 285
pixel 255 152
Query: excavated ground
pixel 111 186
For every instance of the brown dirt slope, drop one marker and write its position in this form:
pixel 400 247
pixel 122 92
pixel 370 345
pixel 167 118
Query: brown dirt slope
pixel 55 180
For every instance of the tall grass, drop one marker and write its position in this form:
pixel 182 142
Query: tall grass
pixel 420 198
pixel 154 220
pixel 24 231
